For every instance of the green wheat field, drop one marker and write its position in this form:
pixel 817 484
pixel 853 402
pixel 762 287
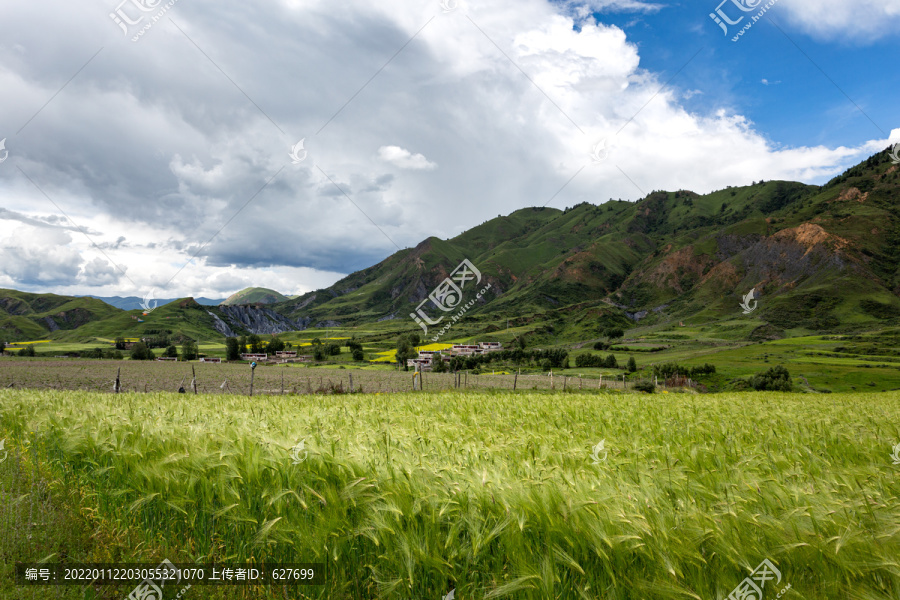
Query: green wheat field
pixel 493 495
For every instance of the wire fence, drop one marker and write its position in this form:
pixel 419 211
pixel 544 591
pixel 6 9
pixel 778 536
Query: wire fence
pixel 238 378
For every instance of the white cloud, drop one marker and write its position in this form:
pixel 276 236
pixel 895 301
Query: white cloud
pixel 39 256
pixel 154 152
pixel 99 272
pixel 404 159
pixel 861 20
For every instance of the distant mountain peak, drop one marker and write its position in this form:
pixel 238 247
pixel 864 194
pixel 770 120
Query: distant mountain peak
pixel 255 295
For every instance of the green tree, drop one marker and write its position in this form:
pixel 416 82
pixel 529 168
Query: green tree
pixel 189 350
pixel 405 351
pixel 276 344
pixel 28 350
pixel 319 352
pixel 171 352
pixel 120 343
pixel 632 365
pixel 358 354
pixel 140 351
pixel 243 344
pixel 232 349
pixel 613 333
pixel 255 342
pixel 437 364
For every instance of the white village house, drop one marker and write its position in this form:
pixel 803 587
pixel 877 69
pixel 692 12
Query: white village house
pixel 426 357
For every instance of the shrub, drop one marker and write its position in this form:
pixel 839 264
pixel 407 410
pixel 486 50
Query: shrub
pixel 601 346
pixel 776 379
pixel 645 386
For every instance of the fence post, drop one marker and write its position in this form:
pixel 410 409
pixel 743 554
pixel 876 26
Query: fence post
pixel 565 380
pixel 552 387
pixel 194 379
pixel 282 382
pixel 515 379
pixel 116 387
pixel 351 383
pixel 252 372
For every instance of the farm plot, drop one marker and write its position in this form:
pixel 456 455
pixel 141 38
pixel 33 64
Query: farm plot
pixel 495 494
pixel 234 378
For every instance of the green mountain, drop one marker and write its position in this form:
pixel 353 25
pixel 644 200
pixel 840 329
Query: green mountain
pixel 816 258
pixel 819 258
pixel 26 316
pixel 254 295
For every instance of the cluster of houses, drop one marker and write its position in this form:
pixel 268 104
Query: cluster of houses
pixel 426 358
pixel 281 355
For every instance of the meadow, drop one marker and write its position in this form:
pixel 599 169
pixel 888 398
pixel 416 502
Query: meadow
pixel 491 494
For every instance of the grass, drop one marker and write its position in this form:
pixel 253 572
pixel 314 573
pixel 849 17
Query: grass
pixel 494 494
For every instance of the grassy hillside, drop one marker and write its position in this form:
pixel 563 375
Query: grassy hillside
pixel 26 316
pixel 821 258
pixel 255 295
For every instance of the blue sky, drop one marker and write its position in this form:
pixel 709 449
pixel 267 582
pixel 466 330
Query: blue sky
pixel 791 94
pixel 162 162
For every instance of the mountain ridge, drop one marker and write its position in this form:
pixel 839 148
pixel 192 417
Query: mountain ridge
pixel 821 258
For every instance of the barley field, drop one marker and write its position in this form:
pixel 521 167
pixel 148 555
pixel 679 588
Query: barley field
pixel 525 495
